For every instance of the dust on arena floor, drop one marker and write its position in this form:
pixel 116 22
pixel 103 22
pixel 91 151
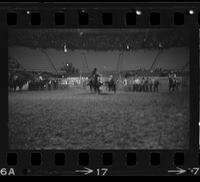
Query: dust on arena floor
pixel 77 119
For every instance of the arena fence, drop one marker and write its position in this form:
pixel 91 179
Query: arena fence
pixel 81 82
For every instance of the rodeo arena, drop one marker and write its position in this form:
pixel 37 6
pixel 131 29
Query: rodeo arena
pixel 68 108
pixel 133 81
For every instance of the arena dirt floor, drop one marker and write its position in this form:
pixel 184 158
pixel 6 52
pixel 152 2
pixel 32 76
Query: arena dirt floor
pixel 77 119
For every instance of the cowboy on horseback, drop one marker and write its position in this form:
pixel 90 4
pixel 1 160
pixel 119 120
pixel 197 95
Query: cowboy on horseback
pixel 94 72
pixel 94 82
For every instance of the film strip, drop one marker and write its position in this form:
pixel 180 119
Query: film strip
pixel 103 89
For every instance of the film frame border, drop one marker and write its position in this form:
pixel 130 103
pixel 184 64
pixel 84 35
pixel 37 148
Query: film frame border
pixel 95 10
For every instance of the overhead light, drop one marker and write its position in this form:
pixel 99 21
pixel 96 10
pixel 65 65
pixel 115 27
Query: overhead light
pixel 138 12
pixel 191 12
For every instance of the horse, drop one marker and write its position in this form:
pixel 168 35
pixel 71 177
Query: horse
pixel 51 84
pixel 90 84
pixel 17 80
pixel 95 83
pixel 35 84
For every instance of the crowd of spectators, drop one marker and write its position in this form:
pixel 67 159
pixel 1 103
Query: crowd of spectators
pixel 158 72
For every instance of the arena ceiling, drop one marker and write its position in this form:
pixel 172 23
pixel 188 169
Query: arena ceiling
pixel 99 39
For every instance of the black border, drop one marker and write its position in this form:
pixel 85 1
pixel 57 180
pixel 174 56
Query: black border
pixel 119 166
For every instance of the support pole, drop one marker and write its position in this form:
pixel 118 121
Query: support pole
pixel 118 63
pixel 85 61
pixel 156 58
pixel 49 60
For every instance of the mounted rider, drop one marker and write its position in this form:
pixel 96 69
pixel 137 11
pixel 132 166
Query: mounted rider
pixel 94 80
pixel 95 74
